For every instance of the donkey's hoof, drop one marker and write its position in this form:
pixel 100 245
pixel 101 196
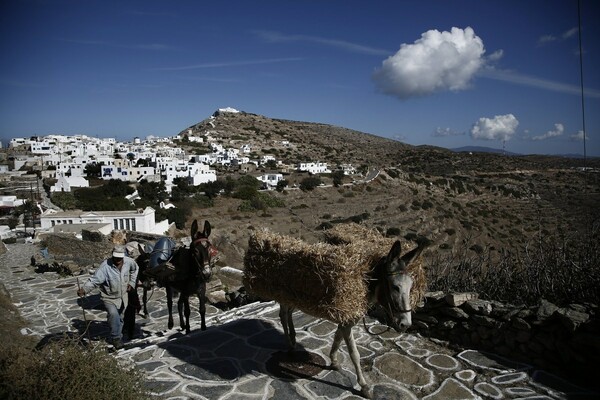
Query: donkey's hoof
pixel 335 366
pixel 366 392
pixel 170 325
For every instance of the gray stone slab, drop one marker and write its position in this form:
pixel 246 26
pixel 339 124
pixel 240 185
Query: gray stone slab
pixel 210 370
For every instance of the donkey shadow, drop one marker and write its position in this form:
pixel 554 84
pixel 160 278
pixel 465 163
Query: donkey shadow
pixel 247 347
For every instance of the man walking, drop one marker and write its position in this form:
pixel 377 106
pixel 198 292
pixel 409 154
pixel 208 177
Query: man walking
pixel 114 277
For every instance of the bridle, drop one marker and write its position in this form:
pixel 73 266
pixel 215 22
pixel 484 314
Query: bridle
pixel 390 307
pixel 389 297
pixel 211 251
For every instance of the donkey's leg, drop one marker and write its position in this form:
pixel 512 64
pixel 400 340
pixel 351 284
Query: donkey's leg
pixel 355 357
pixel 333 354
pixel 285 316
pixel 202 305
pixel 169 291
pixel 180 310
pixel 186 313
pixel 145 302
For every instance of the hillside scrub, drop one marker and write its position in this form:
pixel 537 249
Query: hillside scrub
pixel 561 268
pixel 64 369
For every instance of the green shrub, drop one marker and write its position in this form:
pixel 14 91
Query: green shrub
pixel 309 183
pixel 390 232
pixel 411 236
pixel 324 226
pixel 450 231
pixel 66 370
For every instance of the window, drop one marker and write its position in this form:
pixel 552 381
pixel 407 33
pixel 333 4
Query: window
pixel 133 224
pixel 115 224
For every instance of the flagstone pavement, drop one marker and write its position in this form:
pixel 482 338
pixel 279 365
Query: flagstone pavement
pixel 243 353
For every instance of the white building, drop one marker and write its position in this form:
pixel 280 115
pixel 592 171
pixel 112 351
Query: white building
pixel 348 169
pixel 10 202
pixel 141 220
pixel 314 168
pixel 124 171
pixel 197 173
pixel 266 158
pixel 65 183
pixel 270 180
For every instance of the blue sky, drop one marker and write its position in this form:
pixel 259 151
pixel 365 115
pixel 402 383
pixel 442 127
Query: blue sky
pixel 444 73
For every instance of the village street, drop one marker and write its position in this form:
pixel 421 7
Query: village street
pixel 242 354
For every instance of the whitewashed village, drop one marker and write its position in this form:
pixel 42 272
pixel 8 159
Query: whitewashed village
pixel 67 161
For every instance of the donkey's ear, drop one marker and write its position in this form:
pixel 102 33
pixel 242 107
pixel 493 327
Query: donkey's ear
pixel 395 251
pixel 413 254
pixel 194 228
pixel 206 228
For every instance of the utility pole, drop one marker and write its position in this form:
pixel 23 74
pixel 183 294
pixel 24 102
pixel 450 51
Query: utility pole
pixel 32 208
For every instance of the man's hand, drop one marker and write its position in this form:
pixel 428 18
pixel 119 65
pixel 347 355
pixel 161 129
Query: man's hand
pixel 129 288
pixel 80 292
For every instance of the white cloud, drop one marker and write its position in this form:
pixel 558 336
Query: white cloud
pixel 443 132
pixel 545 39
pixel 276 37
pixel 578 137
pixel 531 81
pixel 571 32
pixel 495 56
pixel 436 62
pixel 559 129
pixel 229 64
pixel 501 127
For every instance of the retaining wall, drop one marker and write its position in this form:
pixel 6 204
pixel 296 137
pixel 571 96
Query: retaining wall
pixel 565 339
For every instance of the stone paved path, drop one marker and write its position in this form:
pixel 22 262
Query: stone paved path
pixel 243 353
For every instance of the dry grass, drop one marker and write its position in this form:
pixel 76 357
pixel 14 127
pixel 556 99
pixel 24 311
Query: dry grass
pixel 64 370
pixel 560 268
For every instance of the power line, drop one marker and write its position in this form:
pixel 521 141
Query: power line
pixel 581 78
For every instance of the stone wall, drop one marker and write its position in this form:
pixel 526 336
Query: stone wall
pixel 83 252
pixel 561 339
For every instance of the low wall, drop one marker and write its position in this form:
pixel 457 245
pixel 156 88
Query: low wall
pixel 560 339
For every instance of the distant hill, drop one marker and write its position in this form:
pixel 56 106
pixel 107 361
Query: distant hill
pixel 482 149
pixel 297 141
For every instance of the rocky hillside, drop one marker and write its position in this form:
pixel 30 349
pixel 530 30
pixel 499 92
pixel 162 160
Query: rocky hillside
pixel 307 141
pixel 478 201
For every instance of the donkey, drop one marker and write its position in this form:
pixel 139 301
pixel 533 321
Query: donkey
pixel 192 272
pixel 389 286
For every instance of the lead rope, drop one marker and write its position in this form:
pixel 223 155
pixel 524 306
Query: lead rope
pixel 87 324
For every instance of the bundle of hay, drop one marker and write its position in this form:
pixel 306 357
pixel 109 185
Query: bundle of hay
pixel 352 232
pixel 359 235
pixel 320 279
pixel 324 280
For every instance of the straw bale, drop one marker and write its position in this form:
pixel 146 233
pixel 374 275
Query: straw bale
pixel 324 280
pixel 359 235
pixel 320 279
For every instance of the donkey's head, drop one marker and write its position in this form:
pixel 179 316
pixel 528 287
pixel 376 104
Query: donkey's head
pixel 201 250
pixel 143 261
pixel 397 284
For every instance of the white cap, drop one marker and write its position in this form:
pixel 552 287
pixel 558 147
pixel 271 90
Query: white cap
pixel 118 251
